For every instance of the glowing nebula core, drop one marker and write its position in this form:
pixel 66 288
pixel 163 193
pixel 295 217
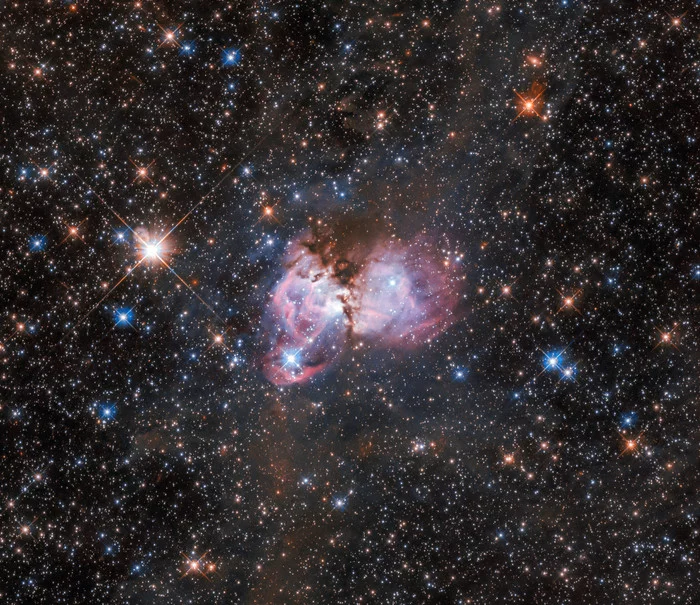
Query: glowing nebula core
pixel 388 293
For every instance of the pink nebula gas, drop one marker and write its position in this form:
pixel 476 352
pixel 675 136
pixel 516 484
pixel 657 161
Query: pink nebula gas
pixel 389 293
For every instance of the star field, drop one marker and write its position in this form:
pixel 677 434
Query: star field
pixel 349 302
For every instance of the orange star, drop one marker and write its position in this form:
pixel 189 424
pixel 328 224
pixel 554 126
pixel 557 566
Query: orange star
pixel 530 103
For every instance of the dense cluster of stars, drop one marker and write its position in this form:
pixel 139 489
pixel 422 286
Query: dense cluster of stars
pixel 481 387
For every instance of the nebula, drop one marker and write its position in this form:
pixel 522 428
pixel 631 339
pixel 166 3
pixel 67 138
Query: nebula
pixel 337 289
pixel 308 320
pixel 404 296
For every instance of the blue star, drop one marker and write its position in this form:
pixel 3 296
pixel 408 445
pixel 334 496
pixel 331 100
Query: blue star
pixel 37 243
pixel 568 373
pixel 552 361
pixel 230 57
pixel 120 236
pixel 459 374
pixel 111 549
pixel 629 419
pixel 108 411
pixel 123 317
pixel 291 358
pixel 187 48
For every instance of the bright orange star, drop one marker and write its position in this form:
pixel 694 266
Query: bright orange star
pixel 73 233
pixel 170 35
pixel 676 21
pixel 666 338
pixel 631 445
pixel 198 566
pixel 531 102
pixel 142 171
pixel 569 301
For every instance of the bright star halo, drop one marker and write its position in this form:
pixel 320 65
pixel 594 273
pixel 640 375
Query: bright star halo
pixel 155 250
